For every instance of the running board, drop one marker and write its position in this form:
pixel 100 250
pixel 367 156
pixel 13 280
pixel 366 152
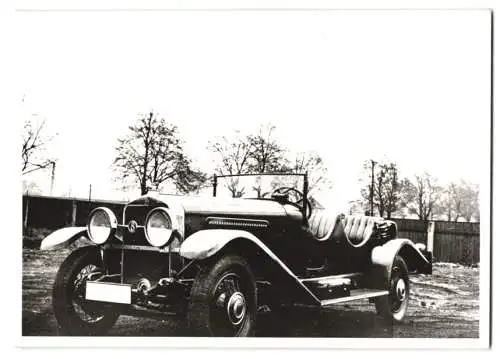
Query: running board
pixel 338 276
pixel 356 294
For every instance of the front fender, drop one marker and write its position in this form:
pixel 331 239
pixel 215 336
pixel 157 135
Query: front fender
pixel 63 237
pixel 382 257
pixel 206 243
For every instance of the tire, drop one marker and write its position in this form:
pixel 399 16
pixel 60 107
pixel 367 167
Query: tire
pixel 394 306
pixel 223 299
pixel 74 315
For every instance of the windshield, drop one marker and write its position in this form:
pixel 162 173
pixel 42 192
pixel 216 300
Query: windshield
pixel 262 186
pixel 256 186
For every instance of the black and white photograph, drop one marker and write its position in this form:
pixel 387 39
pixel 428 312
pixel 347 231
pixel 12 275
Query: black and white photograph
pixel 270 173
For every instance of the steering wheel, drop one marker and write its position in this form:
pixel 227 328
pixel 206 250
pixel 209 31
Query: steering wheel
pixel 299 200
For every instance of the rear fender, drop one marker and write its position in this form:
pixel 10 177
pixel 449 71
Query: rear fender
pixel 208 243
pixel 63 237
pixel 383 256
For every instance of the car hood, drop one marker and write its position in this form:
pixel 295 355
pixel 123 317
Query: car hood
pixel 254 215
pixel 218 205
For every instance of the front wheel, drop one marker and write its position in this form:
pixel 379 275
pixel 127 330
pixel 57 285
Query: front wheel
pixel 223 300
pixel 394 306
pixel 74 314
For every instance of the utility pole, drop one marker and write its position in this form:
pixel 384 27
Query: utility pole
pixel 214 183
pixel 53 163
pixel 372 187
pixel 90 192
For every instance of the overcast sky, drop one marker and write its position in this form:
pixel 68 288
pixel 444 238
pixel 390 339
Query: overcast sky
pixel 413 86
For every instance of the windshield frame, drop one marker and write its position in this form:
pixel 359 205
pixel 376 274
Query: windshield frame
pixel 304 189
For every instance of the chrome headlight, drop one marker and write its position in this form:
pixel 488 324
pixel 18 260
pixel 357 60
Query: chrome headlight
pixel 101 225
pixel 161 227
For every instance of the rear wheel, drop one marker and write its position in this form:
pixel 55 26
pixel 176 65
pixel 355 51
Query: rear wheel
pixel 394 306
pixel 74 314
pixel 223 300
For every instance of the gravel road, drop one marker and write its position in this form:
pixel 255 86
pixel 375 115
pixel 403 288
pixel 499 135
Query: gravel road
pixel 444 305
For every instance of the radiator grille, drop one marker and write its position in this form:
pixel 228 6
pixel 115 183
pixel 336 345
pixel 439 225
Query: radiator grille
pixel 137 213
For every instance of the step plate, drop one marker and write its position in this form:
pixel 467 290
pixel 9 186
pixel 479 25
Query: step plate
pixel 338 276
pixel 356 294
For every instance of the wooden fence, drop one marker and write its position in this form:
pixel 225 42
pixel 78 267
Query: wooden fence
pixel 57 212
pixel 456 242
pixel 452 241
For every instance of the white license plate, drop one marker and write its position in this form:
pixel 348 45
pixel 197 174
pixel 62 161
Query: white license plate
pixel 109 292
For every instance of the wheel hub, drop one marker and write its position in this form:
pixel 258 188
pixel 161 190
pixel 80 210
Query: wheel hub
pixel 401 289
pixel 236 308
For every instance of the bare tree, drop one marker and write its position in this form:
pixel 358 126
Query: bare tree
pixel 450 202
pixel 386 188
pixel 421 196
pixel 407 196
pixel 152 155
pixel 262 153
pixel 391 188
pixel 34 146
pixel 234 159
pixel 266 154
pixel 471 196
pixel 312 164
pixel 317 174
pixel 460 200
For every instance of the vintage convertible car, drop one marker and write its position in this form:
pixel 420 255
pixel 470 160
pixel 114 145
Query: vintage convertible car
pixel 216 261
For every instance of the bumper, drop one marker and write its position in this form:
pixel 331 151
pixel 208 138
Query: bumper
pixel 167 297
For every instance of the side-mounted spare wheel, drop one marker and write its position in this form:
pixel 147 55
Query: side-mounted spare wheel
pixel 74 314
pixel 223 300
pixel 394 306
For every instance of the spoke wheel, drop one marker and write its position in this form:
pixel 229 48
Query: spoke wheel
pixel 75 315
pixel 87 312
pixel 223 300
pixel 394 306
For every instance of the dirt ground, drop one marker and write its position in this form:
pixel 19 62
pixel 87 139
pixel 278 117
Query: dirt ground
pixel 443 305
